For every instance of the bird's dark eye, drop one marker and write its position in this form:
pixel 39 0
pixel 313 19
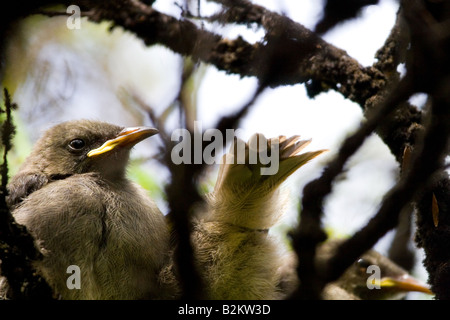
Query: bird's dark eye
pixel 363 264
pixel 77 144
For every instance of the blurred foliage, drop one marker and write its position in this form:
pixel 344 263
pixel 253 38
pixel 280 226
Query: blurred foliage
pixel 137 172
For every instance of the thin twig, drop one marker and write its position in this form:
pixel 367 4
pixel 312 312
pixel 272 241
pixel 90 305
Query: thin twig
pixel 309 233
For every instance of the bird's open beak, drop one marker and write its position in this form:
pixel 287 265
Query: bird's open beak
pixel 127 137
pixel 405 283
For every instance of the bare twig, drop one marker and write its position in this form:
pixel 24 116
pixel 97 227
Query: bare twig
pixel 309 233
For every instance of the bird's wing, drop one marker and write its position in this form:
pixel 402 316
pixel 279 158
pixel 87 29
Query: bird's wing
pixel 60 208
pixel 238 167
pixel 290 159
pixel 232 239
pixel 22 185
pixel 66 220
pixel 251 172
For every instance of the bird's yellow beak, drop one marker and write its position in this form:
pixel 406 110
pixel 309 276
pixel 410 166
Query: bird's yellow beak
pixel 405 283
pixel 127 137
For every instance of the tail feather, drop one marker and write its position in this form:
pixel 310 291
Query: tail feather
pixel 291 146
pixel 289 165
pixel 243 194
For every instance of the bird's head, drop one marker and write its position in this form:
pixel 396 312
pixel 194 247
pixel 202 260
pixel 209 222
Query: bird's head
pixel 84 146
pixel 372 276
pixel 375 277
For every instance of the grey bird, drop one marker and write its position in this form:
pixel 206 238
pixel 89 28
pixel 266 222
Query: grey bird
pixel 237 256
pixel 73 196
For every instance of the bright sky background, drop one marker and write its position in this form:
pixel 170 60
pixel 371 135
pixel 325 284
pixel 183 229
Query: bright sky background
pixel 84 73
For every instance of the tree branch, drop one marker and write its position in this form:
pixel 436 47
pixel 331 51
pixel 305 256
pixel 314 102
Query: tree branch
pixel 17 249
pixel 309 233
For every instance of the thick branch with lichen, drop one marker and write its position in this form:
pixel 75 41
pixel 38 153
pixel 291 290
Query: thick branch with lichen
pixel 289 54
pixel 17 249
